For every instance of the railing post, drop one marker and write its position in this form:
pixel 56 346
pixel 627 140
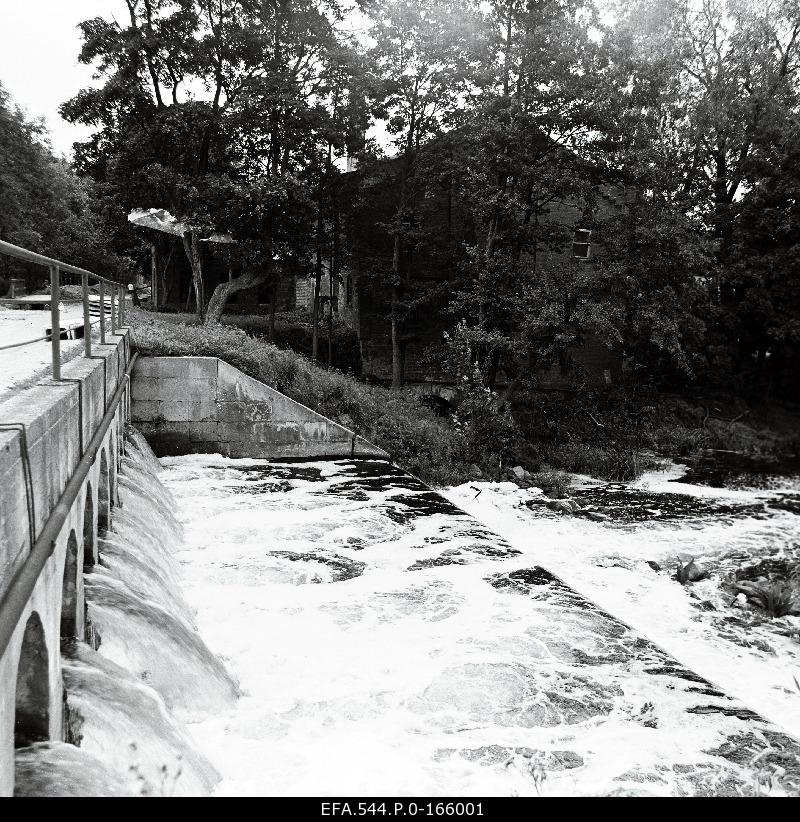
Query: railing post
pixel 87 319
pixel 113 310
pixel 102 292
pixel 55 321
pixel 121 306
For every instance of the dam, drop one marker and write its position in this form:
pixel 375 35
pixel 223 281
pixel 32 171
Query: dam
pixel 206 587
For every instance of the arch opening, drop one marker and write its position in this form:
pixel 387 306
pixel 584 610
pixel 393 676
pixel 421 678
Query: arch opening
pixel 103 497
pixel 32 706
pixel 88 531
pixel 69 589
pixel 112 474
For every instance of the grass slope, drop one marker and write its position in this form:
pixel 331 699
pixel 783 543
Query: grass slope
pixel 417 439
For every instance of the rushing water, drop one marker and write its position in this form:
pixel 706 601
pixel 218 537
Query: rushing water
pixel 366 636
pixel 125 700
pixel 387 642
pixel 739 525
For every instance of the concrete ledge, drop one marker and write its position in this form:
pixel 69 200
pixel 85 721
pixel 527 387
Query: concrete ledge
pixel 195 405
pixel 58 417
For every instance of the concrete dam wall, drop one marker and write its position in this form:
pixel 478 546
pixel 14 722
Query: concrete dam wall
pixel 61 451
pixel 45 431
pixel 201 405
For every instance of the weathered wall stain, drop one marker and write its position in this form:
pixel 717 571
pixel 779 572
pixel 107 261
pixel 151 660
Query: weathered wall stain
pixel 186 405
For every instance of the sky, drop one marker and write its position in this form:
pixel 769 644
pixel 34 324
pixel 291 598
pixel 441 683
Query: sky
pixel 39 47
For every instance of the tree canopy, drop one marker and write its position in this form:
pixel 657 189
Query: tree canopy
pixel 664 133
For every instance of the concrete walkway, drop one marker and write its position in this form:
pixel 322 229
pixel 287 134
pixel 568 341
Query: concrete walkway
pixel 23 366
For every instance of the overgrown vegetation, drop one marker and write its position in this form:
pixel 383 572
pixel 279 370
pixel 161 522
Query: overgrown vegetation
pixel 606 435
pixel 293 330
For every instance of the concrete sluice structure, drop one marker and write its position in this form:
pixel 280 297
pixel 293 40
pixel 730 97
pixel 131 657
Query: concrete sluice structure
pixel 364 634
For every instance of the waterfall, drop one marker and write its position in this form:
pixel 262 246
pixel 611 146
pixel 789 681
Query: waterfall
pixel 125 701
pixel 60 769
pixel 123 719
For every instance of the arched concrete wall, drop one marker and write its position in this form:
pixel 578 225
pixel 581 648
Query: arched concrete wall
pixel 103 493
pixel 47 598
pixel 89 527
pixel 72 589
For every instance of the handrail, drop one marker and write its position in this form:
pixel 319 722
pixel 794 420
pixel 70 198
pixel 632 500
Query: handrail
pixel 15 598
pixel 33 257
pixel 56 267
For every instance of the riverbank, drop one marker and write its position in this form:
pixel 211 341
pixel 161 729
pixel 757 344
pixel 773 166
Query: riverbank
pixel 614 434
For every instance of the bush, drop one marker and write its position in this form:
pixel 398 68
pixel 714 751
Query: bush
pixel 606 462
pixel 293 331
pixel 489 437
pixel 776 597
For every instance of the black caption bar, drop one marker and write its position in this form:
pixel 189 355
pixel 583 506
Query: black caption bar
pixel 403 807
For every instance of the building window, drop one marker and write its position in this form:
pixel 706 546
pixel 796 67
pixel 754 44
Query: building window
pixel 582 244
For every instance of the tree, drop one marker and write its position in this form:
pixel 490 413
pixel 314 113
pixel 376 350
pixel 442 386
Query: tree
pixel 421 57
pixel 529 148
pixel 161 142
pixel 44 206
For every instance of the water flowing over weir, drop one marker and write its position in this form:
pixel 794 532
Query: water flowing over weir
pixel 126 700
pixel 386 642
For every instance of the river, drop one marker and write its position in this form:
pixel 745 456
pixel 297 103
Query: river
pixel 385 641
pixel 338 628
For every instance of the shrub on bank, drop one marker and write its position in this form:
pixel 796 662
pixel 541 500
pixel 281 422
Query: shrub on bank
pixel 606 462
pixel 610 435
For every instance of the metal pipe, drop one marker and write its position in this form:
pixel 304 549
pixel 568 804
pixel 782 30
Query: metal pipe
pixel 102 312
pixel 16 596
pixel 87 320
pixel 113 311
pixel 55 321
pixel 121 306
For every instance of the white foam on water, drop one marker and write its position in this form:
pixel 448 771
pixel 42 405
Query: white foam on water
pixel 374 655
pixel 122 701
pixel 607 561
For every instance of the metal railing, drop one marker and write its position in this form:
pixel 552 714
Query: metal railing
pixel 117 303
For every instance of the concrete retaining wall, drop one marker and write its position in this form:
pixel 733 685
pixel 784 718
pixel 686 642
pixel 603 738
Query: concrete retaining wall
pixel 58 418
pixel 196 405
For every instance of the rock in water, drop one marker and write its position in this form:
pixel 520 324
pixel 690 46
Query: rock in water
pixel 691 572
pixel 561 505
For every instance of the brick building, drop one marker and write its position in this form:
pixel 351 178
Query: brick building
pixel 363 298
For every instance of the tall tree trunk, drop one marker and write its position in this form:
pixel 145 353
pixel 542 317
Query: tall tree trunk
pixel 194 254
pixel 154 276
pixel 317 284
pixel 330 319
pixel 333 270
pixel 397 345
pixel 397 267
